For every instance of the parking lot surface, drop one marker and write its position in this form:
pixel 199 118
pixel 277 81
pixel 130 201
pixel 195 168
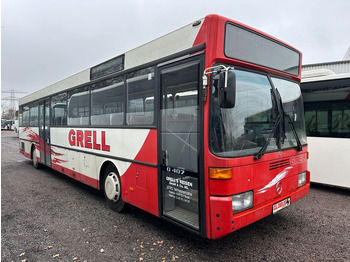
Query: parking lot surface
pixel 46 216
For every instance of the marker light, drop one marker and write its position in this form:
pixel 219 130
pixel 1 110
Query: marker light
pixel 220 173
pixel 242 201
pixel 302 179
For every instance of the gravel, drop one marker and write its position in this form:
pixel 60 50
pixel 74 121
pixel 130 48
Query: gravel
pixel 46 216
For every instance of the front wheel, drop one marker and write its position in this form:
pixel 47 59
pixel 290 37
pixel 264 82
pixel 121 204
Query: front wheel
pixel 112 189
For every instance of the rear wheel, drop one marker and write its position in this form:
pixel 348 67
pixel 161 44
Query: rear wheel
pixel 112 189
pixel 35 159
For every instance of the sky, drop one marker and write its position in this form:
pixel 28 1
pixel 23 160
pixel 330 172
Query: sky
pixel 44 41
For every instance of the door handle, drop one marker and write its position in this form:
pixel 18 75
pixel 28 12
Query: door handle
pixel 165 157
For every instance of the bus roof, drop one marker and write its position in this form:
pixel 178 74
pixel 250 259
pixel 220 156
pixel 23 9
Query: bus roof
pixel 181 40
pixel 171 43
pixel 324 85
pixel 321 75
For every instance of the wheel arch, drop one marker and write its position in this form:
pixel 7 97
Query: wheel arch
pixel 32 148
pixel 102 171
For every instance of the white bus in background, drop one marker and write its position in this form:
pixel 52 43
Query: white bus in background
pixel 327 117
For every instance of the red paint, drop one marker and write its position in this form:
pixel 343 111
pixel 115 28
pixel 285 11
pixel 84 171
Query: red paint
pixel 58 161
pixel 54 153
pixel 96 146
pixel 31 135
pixel 142 194
pixel 248 174
pixel 88 139
pixel 348 96
pixel 143 179
pixel 25 153
pixel 148 151
pixel 104 146
pixel 222 206
pixel 80 138
pixel 71 137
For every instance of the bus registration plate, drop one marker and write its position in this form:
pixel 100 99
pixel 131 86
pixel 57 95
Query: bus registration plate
pixel 280 205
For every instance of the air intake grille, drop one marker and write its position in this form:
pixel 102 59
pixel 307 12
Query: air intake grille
pixel 279 164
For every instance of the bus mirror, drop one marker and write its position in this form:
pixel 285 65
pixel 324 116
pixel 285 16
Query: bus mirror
pixel 227 88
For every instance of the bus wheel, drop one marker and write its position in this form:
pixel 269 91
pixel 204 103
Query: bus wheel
pixel 35 159
pixel 112 189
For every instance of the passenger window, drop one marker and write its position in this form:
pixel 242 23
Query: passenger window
pixel 59 110
pixel 107 99
pixel 34 114
pixel 79 106
pixel 25 116
pixel 141 89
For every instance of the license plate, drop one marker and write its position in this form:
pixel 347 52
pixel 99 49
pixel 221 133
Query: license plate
pixel 280 205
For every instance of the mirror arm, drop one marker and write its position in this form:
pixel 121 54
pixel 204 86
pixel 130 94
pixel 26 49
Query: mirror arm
pixel 213 69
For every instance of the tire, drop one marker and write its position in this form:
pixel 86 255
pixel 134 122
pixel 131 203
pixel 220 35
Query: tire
pixel 112 189
pixel 35 159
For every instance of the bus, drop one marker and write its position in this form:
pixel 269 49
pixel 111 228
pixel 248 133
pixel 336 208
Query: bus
pixel 203 127
pixel 327 117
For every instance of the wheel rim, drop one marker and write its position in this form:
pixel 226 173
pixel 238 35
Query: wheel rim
pixel 112 187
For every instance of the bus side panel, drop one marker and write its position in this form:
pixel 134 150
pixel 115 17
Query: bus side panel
pixel 28 136
pixel 140 185
pixel 140 182
pixel 24 148
pixel 87 166
pixel 326 150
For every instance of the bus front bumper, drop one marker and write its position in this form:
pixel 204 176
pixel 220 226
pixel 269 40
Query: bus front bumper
pixel 223 222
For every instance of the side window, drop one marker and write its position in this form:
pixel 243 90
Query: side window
pixel 141 89
pixel 79 106
pixel 107 98
pixel 310 122
pixel 328 119
pixel 34 114
pixel 59 110
pixel 25 116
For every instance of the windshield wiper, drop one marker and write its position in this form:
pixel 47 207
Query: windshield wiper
pixel 278 120
pixel 300 147
pixel 263 149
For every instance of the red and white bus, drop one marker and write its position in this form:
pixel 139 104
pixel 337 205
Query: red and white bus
pixel 203 127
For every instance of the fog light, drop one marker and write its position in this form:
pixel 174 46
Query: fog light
pixel 242 201
pixel 302 179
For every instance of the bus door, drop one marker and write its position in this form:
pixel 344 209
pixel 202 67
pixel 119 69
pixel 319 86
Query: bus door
pixel 44 132
pixel 179 142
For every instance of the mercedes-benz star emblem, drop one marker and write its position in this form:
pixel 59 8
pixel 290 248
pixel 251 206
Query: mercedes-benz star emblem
pixel 279 188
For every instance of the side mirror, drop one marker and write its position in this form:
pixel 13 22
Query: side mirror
pixel 225 81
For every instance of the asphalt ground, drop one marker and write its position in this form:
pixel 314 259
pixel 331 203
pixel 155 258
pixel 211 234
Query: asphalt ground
pixel 46 216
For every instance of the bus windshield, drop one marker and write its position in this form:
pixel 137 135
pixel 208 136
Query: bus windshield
pixel 244 129
pixel 293 109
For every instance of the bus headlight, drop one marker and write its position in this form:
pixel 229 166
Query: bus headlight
pixel 242 201
pixel 302 179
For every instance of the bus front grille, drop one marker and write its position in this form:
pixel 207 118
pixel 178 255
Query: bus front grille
pixel 279 164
